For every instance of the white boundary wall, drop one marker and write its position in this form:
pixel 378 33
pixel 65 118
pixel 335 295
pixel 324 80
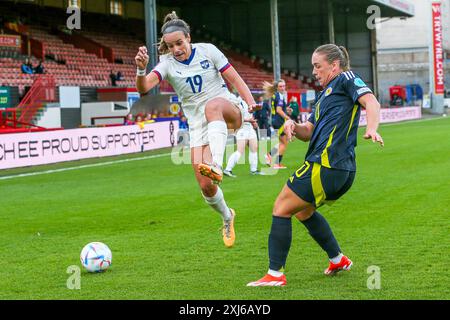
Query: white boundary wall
pixel 386 115
pixel 394 115
pixel 29 149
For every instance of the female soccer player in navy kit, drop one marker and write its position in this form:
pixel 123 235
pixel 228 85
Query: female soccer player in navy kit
pixel 329 167
pixel 278 94
pixel 195 71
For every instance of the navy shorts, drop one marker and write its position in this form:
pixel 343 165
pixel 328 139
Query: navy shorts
pixel 320 185
pixel 279 126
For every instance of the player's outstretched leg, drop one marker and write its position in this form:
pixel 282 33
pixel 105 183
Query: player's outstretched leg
pixel 339 263
pixel 228 230
pixel 286 205
pixel 280 238
pixel 217 202
pixel 220 114
pixel 212 171
pixel 320 231
pixel 213 195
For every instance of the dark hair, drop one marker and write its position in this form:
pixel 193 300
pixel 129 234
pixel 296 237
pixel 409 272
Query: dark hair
pixel 172 24
pixel 333 53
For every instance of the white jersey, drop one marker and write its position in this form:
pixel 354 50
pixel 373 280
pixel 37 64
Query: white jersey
pixel 197 79
pixel 247 115
pixel 246 132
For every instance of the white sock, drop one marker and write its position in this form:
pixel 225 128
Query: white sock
pixel 253 159
pixel 217 136
pixel 233 160
pixel 337 259
pixel 217 202
pixel 274 273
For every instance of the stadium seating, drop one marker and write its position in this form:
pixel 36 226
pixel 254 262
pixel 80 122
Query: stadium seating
pixel 71 65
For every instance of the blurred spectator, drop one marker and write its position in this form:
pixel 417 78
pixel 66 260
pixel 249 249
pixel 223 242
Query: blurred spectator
pixel 397 100
pixel 295 111
pixel 264 117
pixel 183 123
pixel 26 67
pixel 139 120
pixel 113 78
pixel 39 69
pixel 183 133
pixel 148 118
pixel 161 114
pixel 129 119
pixel 120 76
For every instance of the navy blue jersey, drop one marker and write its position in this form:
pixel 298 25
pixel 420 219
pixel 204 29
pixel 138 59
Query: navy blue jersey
pixel 335 118
pixel 278 101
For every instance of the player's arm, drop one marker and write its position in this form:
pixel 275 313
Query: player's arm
pixel 302 131
pixel 241 87
pixel 372 106
pixel 282 113
pixel 144 83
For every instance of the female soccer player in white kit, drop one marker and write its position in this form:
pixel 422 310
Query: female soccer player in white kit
pixel 246 134
pixel 195 72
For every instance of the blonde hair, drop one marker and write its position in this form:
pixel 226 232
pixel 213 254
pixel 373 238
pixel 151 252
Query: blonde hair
pixel 172 24
pixel 333 53
pixel 271 88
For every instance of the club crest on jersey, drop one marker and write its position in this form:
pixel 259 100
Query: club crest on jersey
pixel 204 64
pixel 328 92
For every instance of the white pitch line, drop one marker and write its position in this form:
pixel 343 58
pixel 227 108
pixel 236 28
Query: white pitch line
pixel 83 166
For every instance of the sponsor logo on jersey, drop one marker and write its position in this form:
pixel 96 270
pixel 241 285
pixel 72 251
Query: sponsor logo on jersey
pixel 363 90
pixel 328 92
pixel 359 82
pixel 204 64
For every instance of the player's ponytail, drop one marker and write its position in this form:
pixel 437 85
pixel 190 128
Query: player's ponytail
pixel 172 24
pixel 333 53
pixel 169 17
pixel 345 61
pixel 271 88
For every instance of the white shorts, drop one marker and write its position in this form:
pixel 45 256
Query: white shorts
pixel 246 133
pixel 198 126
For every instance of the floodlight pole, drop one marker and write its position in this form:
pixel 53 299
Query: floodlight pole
pixel 275 40
pixel 331 21
pixel 151 38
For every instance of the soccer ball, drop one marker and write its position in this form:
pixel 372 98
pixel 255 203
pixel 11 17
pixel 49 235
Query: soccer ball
pixel 96 257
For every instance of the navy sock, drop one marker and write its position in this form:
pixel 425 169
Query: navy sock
pixel 320 230
pixel 273 151
pixel 280 238
pixel 280 157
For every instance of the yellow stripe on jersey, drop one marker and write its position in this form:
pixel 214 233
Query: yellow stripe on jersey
pixel 324 157
pixel 317 114
pixel 319 193
pixel 355 109
pixel 274 111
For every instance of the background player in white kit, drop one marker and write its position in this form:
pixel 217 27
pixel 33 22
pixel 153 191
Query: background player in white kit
pixel 244 135
pixel 195 72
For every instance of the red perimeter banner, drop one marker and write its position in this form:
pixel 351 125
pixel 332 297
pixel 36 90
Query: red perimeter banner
pixel 438 52
pixel 9 41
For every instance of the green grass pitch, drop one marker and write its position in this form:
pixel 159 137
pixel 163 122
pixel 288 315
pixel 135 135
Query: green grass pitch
pixel 166 242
